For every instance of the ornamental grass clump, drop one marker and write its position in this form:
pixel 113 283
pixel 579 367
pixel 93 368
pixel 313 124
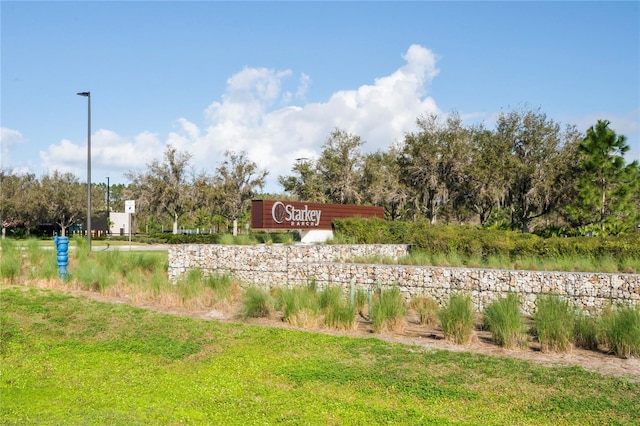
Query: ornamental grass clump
pixel 197 289
pixel 115 261
pixel 92 275
pixel 82 250
pixel 503 319
pixel 620 330
pixel 35 253
pixel 426 308
pixel 362 303
pixel 585 331
pixel 256 303
pixel 46 269
pixel 457 319
pixel 329 296
pixel 415 257
pixel 148 262
pixel 222 285
pixel 10 261
pixel 189 286
pixel 158 283
pixel 299 305
pixel 554 323
pixel 227 239
pixel 338 313
pixel 389 311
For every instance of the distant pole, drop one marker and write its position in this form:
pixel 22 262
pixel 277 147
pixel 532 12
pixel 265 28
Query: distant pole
pixel 108 213
pixel 88 96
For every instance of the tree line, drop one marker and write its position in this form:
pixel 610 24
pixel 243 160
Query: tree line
pixel 166 192
pixel 528 173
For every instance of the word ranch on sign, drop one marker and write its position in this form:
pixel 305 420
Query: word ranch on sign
pixel 281 212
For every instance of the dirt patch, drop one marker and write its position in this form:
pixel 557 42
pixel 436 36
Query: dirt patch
pixel 424 336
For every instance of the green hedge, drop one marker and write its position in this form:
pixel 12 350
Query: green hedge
pixel 372 230
pixel 474 241
pixel 188 238
pixel 251 238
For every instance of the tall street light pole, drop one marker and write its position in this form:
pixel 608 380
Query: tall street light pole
pixel 107 195
pixel 88 96
pixel 108 212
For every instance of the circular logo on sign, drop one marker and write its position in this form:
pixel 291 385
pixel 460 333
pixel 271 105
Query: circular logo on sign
pixel 278 212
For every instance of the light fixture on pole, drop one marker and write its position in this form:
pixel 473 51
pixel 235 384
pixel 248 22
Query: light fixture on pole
pixel 88 96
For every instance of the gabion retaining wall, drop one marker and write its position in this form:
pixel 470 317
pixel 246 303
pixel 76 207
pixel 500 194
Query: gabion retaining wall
pixel 286 266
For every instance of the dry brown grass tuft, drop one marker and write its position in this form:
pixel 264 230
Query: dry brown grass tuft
pixel 304 318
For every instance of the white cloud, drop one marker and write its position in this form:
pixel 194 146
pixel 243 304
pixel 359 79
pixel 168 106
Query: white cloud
pixel 8 137
pixel 305 82
pixel 257 113
pixel 623 124
pixel 380 113
pixel 190 128
pixel 110 154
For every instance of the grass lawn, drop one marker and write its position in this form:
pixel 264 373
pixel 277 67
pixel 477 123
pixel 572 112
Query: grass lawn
pixel 71 360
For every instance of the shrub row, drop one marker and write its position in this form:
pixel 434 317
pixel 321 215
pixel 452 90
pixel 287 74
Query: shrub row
pixel 474 241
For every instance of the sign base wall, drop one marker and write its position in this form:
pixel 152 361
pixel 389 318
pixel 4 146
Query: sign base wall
pixel 310 236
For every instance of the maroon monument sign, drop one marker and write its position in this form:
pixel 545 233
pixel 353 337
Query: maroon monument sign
pixel 273 214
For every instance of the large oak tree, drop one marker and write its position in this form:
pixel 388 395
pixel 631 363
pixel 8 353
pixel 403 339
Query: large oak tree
pixel 236 182
pixel 165 187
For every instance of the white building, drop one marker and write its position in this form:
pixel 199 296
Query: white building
pixel 118 223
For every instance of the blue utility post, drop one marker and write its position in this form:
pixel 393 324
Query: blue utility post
pixel 62 246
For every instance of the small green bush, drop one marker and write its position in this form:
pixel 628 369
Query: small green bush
pixel 503 319
pixel 427 309
pixel 554 323
pixel 621 330
pixel 256 303
pixel 389 311
pixel 457 318
pixel 370 230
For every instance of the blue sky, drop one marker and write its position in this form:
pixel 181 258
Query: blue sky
pixel 275 78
